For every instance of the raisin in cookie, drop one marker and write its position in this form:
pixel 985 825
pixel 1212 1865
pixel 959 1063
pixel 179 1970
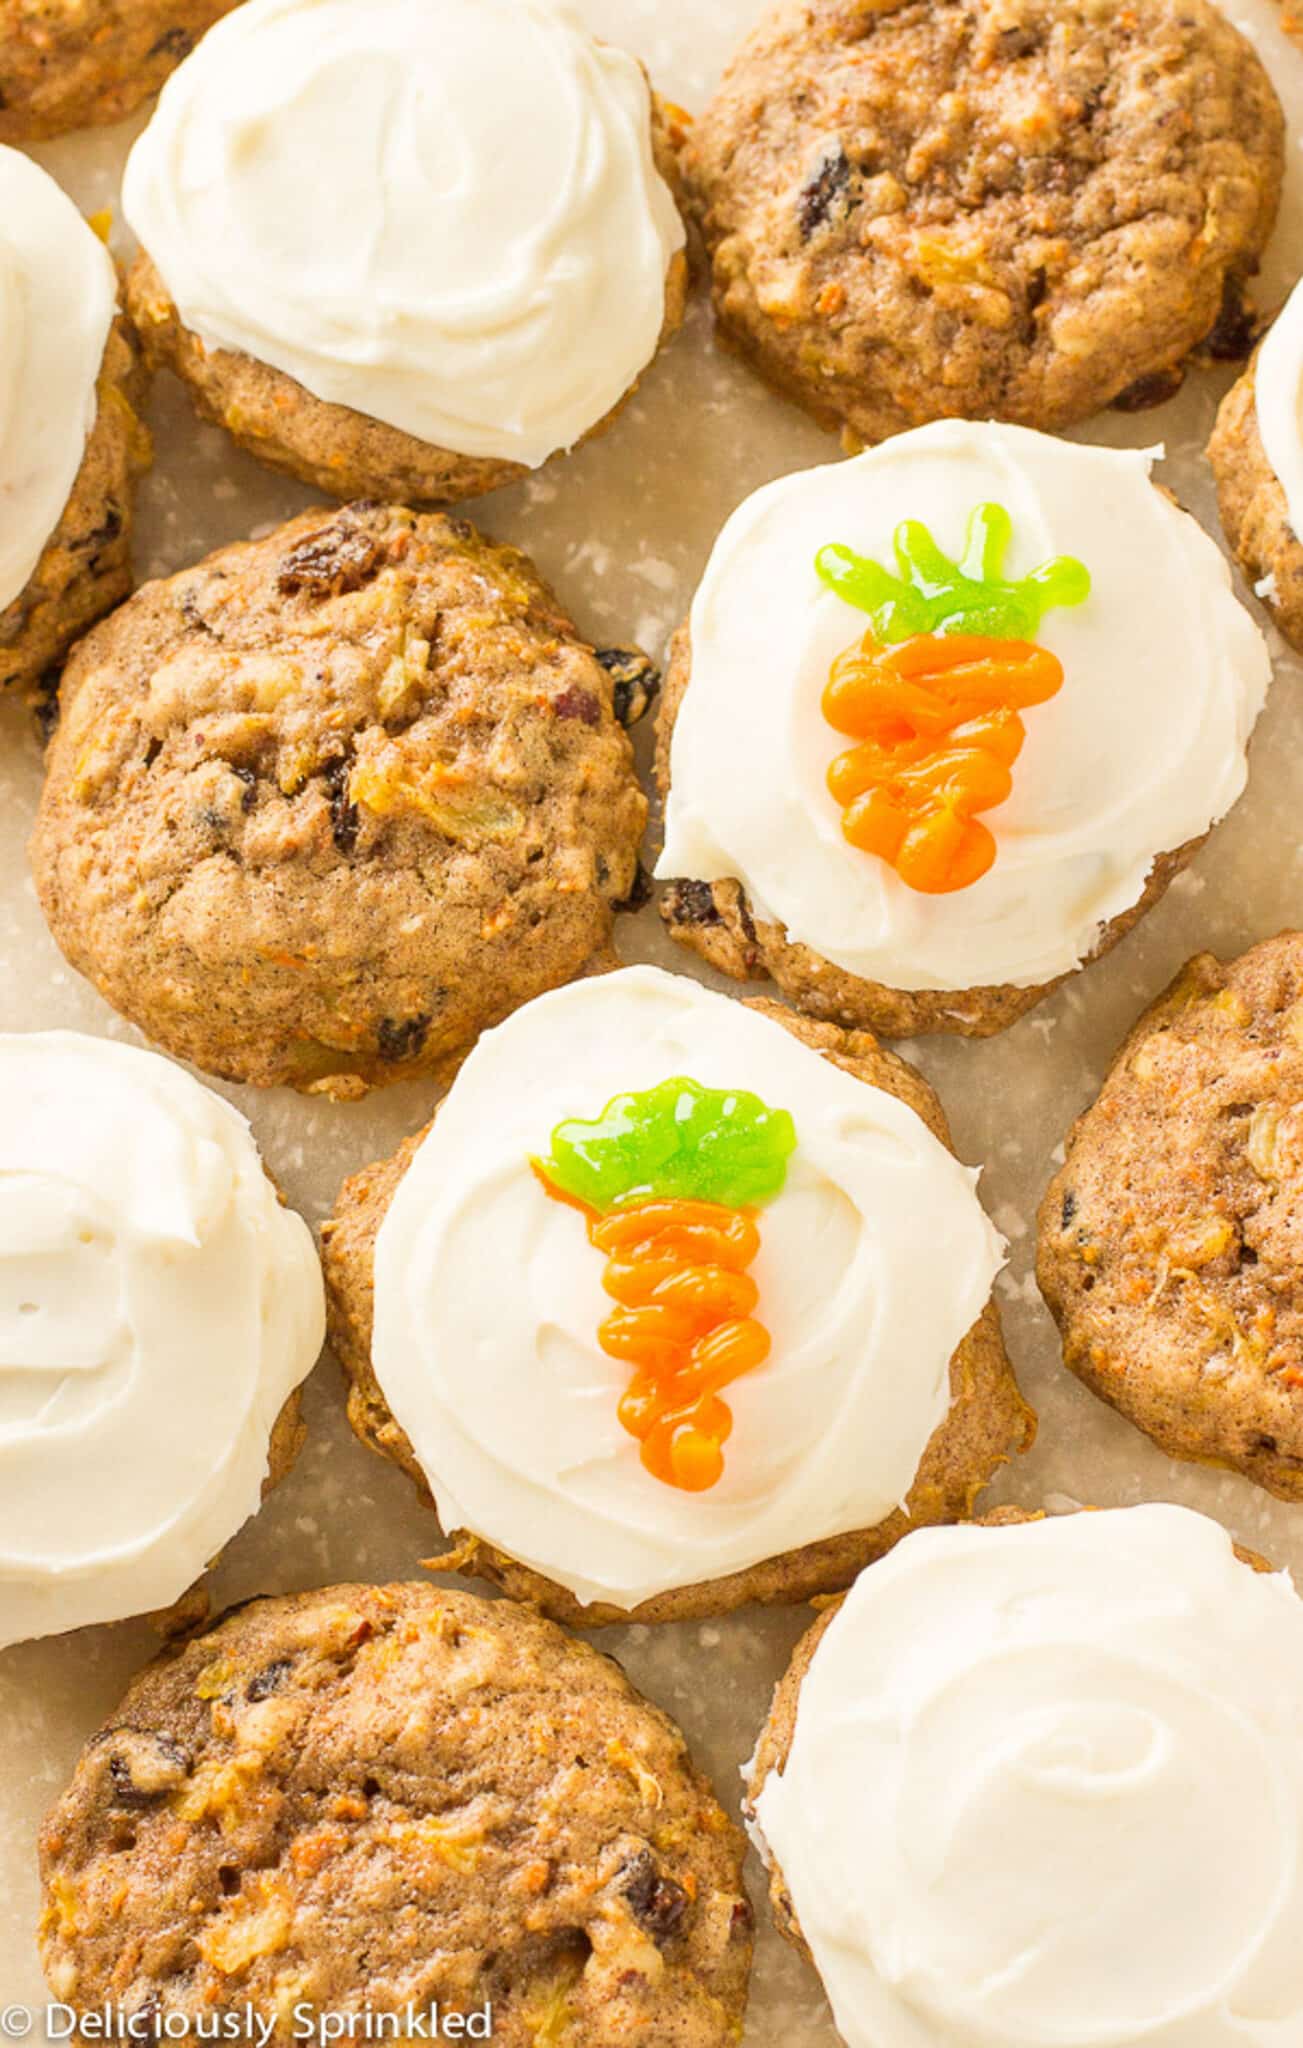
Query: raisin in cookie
pixel 453 314
pixel 321 808
pixel 71 440
pixel 82 63
pixel 366 1799
pixel 1169 1240
pixel 787 1383
pixel 1066 1740
pixel 1013 209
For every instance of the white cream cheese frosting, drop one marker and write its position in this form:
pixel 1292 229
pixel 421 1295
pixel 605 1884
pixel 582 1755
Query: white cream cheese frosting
pixel 58 297
pixel 1141 750
pixel 444 214
pixel 488 1300
pixel 1045 1791
pixel 158 1306
pixel 1278 403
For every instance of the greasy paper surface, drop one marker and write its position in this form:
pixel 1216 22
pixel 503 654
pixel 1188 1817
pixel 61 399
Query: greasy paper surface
pixel 623 529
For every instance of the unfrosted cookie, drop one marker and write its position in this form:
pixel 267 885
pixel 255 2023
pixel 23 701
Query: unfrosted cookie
pixel 1013 209
pixel 1257 457
pixel 403 251
pixel 945 721
pixel 788 1379
pixel 71 444
pixel 159 1309
pixel 82 63
pixel 368 1799
pixel 1037 1781
pixel 1169 1239
pixel 322 807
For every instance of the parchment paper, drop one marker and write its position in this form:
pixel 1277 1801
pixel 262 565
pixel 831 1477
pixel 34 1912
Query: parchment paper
pixel 623 529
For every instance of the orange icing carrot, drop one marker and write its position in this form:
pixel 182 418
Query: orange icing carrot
pixel 667 1182
pixel 684 1322
pixel 939 730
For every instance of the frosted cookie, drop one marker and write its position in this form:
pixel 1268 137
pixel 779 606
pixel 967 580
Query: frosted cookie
pixel 945 721
pixel 158 1310
pixel 405 250
pixel 652 1311
pixel 1257 456
pixel 1010 209
pixel 1038 1784
pixel 1169 1240
pixel 71 444
pixel 83 63
pixel 373 1798
pixel 324 806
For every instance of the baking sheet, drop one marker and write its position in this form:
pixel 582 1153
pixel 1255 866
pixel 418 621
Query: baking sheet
pixel 623 529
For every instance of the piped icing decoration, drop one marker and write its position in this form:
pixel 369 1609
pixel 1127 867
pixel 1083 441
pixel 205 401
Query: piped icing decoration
pixel 970 596
pixel 158 1305
pixel 58 297
pixel 934 691
pixel 1044 1787
pixel 489 1299
pixel 1278 403
pixel 668 1181
pixel 445 217
pixel 1140 753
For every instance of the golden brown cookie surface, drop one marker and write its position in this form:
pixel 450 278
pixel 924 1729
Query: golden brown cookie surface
pixel 1019 209
pixel 324 806
pixel 1170 1239
pixel 366 1797
pixel 84 63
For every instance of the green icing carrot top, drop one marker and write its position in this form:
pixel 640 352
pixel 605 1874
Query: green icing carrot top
pixel 676 1141
pixel 933 594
